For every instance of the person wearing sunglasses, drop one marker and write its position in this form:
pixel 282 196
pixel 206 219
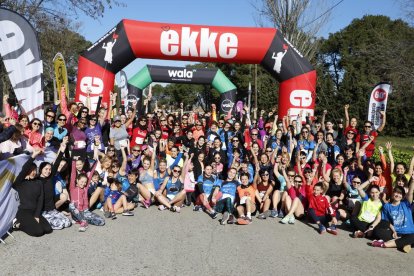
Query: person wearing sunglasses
pixel 93 133
pixel 209 187
pixel 396 229
pixel 35 135
pixel 264 187
pixel 60 130
pixel 49 119
pixel 79 138
pixel 171 194
pixel 134 159
pixel 139 132
pixel 366 138
pixel 305 143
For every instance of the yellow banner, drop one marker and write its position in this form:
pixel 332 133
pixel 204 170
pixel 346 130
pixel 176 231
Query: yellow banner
pixel 61 75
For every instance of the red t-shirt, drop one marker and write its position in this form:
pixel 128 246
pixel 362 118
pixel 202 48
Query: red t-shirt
pixel 319 204
pixel 349 128
pixel 363 138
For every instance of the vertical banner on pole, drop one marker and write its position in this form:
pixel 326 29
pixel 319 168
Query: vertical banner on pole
pixel 61 75
pixel 378 102
pixel 20 52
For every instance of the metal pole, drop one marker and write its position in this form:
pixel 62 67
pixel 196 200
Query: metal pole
pixel 255 90
pixel 249 97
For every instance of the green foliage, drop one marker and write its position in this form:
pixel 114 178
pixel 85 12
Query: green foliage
pixel 370 50
pixel 399 156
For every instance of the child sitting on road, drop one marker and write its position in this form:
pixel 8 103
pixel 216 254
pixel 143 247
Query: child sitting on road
pixel 116 202
pixel 247 204
pixel 79 202
pixel 321 211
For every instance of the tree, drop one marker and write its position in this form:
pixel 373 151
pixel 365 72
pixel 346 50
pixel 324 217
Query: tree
pixel 369 50
pixel 298 20
pixel 56 32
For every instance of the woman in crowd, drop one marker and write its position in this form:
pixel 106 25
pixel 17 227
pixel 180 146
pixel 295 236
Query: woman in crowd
pixel 29 217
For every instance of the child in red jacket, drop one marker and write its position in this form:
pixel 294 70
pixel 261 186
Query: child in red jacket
pixel 321 211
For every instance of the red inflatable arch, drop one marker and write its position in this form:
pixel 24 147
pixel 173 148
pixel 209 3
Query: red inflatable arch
pixel 132 39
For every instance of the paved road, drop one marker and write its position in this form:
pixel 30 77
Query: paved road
pixel 190 243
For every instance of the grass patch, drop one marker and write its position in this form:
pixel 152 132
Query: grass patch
pixel 398 143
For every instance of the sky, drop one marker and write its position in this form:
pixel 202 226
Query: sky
pixel 221 13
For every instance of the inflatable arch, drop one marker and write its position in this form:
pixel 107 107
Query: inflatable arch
pixel 132 39
pixel 212 76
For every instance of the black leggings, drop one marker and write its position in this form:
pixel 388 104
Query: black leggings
pixel 30 226
pixel 224 205
pixel 358 224
pixel 383 232
pixel 324 220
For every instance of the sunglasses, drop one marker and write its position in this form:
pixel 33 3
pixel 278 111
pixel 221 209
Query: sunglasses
pixel 269 150
pixel 82 122
pixel 218 157
pixel 50 116
pixel 92 119
pixel 367 126
pixel 185 118
pixel 176 171
pixel 297 181
pixel 62 119
pixel 83 111
pixel 254 134
pixel 356 182
pixel 305 132
pixel 111 149
pixel 138 150
pixel 36 124
pixel 291 175
pixel 265 174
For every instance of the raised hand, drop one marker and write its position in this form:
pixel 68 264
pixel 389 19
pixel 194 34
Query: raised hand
pixel 388 145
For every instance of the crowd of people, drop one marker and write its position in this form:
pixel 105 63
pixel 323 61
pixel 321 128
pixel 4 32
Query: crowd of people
pixel 243 167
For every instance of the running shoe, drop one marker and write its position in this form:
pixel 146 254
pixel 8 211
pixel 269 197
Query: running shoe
pixel 197 208
pixel 285 220
pixel 177 209
pixel 377 243
pixel 225 218
pixel 273 213
pixel 107 214
pixel 261 216
pixel 113 215
pixel 213 215
pixel 232 220
pixel 161 207
pixel 280 214
pixel 249 220
pixel 291 220
pixel 332 230
pixel 82 229
pixel 146 203
pixel 16 224
pixel 127 213
pixel 358 234
pixel 322 229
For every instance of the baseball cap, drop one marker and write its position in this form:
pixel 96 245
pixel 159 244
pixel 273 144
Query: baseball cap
pixel 117 118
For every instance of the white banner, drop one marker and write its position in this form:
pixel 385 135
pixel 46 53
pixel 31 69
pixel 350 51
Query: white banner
pixel 377 103
pixel 21 57
pixel 9 198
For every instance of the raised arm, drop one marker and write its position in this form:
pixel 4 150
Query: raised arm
pixel 130 120
pixel 388 145
pixel 411 168
pixel 122 169
pixel 26 167
pixel 346 107
pixel 361 188
pixel 154 155
pixel 323 119
pixel 411 189
pixel 384 117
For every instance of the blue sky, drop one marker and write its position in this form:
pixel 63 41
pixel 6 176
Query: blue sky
pixel 220 13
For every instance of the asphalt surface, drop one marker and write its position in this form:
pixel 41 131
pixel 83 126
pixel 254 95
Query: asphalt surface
pixel 191 243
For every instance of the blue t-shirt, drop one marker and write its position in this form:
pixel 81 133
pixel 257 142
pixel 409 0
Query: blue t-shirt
pixel 124 181
pixel 209 183
pixel 229 188
pixel 173 188
pixel 399 216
